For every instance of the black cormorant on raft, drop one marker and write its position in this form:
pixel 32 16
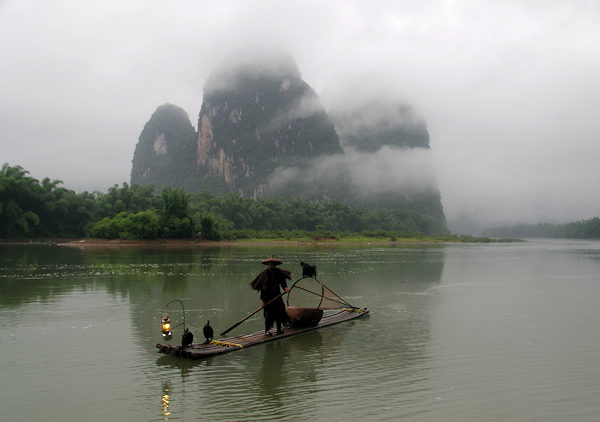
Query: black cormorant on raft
pixel 208 332
pixel 229 344
pixel 308 297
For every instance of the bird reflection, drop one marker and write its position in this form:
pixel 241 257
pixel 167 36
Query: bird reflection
pixel 184 365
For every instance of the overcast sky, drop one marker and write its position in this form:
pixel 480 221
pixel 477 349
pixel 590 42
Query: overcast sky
pixel 510 90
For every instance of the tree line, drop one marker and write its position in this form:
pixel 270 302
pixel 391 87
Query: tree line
pixel 30 208
pixel 580 229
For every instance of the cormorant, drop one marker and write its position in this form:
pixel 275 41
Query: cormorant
pixel 208 332
pixel 187 339
pixel 308 270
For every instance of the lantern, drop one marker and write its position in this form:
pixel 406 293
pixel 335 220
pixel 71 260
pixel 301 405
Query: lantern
pixel 166 327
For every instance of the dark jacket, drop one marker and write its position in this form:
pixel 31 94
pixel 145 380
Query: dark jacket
pixel 269 283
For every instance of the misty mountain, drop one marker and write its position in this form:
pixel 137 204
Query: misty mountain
pixel 166 150
pixel 263 132
pixel 255 119
pixel 378 123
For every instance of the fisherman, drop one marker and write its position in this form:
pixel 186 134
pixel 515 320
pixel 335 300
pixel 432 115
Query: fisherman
pixel 269 283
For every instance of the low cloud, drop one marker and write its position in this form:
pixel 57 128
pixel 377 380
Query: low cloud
pixel 389 170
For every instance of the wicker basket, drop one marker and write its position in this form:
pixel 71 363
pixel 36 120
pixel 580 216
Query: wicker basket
pixel 304 317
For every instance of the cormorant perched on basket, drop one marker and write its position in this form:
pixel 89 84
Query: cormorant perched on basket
pixel 308 270
pixel 208 332
pixel 187 339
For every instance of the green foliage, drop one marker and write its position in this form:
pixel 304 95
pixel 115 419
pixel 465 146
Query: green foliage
pixel 236 213
pixel 31 208
pixel 209 227
pixel 105 229
pixel 125 198
pixel 17 194
pixel 175 221
pixel 142 225
pixel 175 228
pixel 174 203
pixel 581 229
pixel 172 221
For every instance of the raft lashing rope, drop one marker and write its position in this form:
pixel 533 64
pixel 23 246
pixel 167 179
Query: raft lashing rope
pixel 354 309
pixel 225 344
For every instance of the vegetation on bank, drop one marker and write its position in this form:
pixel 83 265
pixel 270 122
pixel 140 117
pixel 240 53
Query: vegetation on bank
pixel 581 229
pixel 365 237
pixel 33 209
pixel 319 236
pixel 30 209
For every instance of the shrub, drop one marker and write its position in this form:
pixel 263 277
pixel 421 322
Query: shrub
pixel 142 225
pixel 105 229
pixel 209 227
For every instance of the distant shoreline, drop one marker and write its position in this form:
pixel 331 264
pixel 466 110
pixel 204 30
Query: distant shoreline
pixel 189 243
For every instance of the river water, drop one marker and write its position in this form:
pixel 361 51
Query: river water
pixel 478 332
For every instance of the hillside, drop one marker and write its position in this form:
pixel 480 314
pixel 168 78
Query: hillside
pixel 166 150
pixel 370 126
pixel 255 119
pixel 263 132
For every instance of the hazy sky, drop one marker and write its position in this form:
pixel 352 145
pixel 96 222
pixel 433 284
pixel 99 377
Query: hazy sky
pixel 510 90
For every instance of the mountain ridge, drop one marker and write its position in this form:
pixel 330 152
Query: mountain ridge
pixel 263 132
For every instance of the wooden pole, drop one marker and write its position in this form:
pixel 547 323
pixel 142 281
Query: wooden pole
pixel 248 316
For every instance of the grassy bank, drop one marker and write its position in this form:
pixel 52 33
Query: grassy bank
pixel 373 239
pixel 264 238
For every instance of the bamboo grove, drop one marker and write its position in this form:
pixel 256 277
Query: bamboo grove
pixel 30 208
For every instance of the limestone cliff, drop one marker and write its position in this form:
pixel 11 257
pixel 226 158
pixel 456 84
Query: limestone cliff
pixel 164 154
pixel 262 132
pixel 255 119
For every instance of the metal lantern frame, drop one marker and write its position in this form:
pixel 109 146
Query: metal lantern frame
pixel 168 335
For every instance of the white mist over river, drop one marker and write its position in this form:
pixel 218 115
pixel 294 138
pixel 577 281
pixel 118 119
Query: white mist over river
pixel 457 332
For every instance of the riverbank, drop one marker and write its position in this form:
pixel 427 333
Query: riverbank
pixel 113 243
pixel 197 243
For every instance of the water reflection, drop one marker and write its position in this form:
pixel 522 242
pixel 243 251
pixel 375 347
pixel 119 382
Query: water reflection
pixel 184 366
pixel 166 401
pixel 271 377
pixel 115 268
pixel 278 356
pixel 307 374
pixel 461 332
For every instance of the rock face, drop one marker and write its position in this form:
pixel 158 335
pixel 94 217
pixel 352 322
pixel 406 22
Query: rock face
pixel 262 132
pixel 375 124
pixel 255 119
pixel 396 137
pixel 164 155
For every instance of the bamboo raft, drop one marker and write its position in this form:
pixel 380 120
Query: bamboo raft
pixel 229 344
